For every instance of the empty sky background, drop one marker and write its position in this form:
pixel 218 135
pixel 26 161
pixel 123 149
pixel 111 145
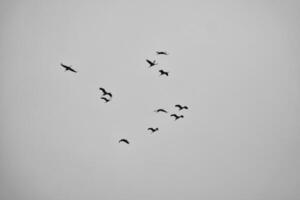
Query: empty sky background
pixel 234 63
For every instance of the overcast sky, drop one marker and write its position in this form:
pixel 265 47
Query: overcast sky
pixel 235 64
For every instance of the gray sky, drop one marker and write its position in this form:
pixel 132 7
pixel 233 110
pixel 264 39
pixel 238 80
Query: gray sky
pixel 235 64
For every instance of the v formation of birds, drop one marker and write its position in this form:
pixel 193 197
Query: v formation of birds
pixel 107 96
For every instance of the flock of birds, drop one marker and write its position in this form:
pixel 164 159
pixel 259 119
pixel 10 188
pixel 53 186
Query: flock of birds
pixel 107 96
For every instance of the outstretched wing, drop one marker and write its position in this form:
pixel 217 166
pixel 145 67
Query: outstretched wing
pixel 72 70
pixel 109 94
pixel 162 110
pixel 178 106
pixel 105 99
pixel 124 140
pixel 162 53
pixel 148 61
pixel 64 66
pixel 103 90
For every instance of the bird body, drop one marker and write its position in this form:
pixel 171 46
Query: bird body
pixel 124 140
pixel 177 116
pixel 161 110
pixel 151 63
pixel 161 53
pixel 105 92
pixel 162 72
pixel 180 107
pixel 153 129
pixel 68 68
pixel 106 100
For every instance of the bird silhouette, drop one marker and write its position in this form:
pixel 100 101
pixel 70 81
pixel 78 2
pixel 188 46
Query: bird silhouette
pixel 124 140
pixel 151 63
pixel 161 110
pixel 162 72
pixel 176 116
pixel 105 92
pixel 180 107
pixel 153 129
pixel 162 53
pixel 68 68
pixel 106 100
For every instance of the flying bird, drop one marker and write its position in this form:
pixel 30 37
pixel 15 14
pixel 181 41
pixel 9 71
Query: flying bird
pixel 106 100
pixel 161 110
pixel 68 68
pixel 180 107
pixel 162 72
pixel 151 63
pixel 162 53
pixel 153 129
pixel 124 140
pixel 105 92
pixel 176 116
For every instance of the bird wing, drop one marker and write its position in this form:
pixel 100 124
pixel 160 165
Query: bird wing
pixel 162 110
pixel 109 94
pixel 72 70
pixel 148 61
pixel 103 90
pixel 124 140
pixel 64 66
pixel 178 106
pixel 105 99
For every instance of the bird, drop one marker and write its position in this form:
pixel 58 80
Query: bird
pixel 180 107
pixel 162 72
pixel 68 68
pixel 105 92
pixel 161 110
pixel 105 99
pixel 124 140
pixel 151 63
pixel 162 53
pixel 176 116
pixel 153 129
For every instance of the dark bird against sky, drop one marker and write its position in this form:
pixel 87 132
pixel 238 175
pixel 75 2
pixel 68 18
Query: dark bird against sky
pixel 162 72
pixel 176 116
pixel 180 107
pixel 105 92
pixel 151 63
pixel 162 53
pixel 124 140
pixel 161 110
pixel 153 129
pixel 68 68
pixel 106 100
